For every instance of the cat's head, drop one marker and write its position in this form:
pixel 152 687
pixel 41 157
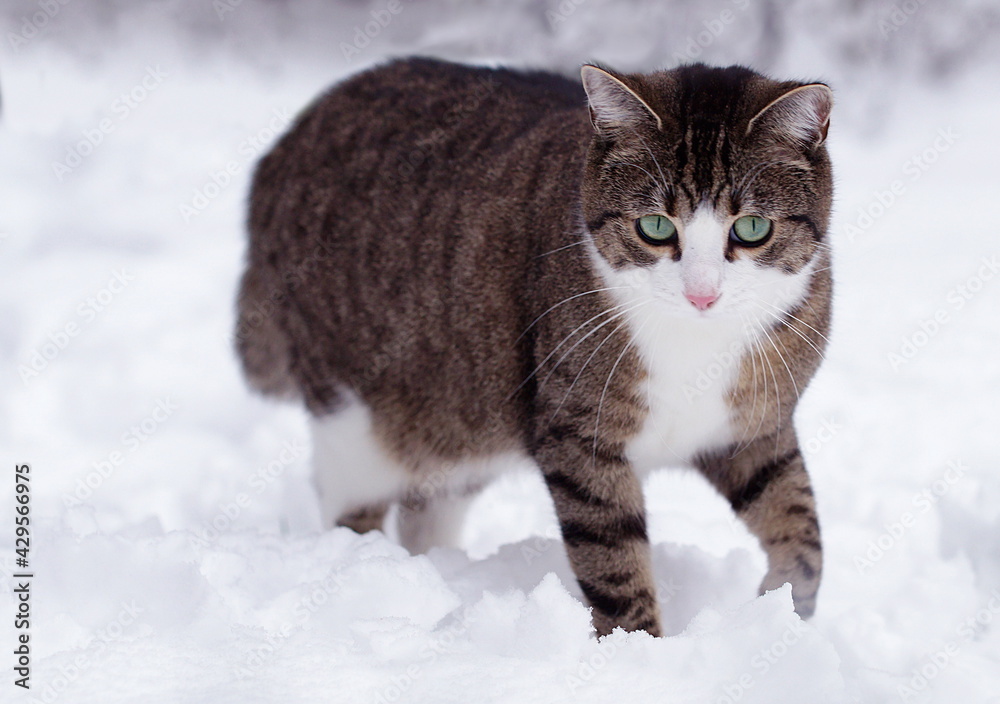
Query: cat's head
pixel 708 188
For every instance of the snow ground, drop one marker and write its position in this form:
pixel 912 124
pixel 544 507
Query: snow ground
pixel 195 570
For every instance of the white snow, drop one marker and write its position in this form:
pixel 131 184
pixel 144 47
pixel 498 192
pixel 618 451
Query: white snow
pixel 177 549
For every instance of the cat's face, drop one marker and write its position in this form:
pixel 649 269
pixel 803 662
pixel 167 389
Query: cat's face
pixel 708 190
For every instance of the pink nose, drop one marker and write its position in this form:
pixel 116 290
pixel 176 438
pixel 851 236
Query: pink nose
pixel 702 302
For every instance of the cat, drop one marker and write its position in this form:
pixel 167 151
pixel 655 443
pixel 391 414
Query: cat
pixel 456 267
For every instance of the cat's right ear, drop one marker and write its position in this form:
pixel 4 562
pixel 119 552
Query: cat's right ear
pixel 613 105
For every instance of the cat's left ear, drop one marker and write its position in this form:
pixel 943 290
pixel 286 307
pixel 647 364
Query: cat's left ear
pixel 613 104
pixel 802 115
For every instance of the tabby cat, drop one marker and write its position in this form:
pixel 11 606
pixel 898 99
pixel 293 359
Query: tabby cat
pixel 454 267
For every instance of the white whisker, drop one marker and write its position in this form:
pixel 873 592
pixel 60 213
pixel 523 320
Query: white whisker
pixel 565 300
pixel 788 369
pixel 576 344
pixel 763 413
pixel 753 408
pixel 565 340
pixel 793 317
pixel 793 328
pixel 652 156
pixel 559 249
pixel 579 373
pixel 607 383
pixel 748 437
pixel 777 389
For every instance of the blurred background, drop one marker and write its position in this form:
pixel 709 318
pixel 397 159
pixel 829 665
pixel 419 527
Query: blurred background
pixel 127 137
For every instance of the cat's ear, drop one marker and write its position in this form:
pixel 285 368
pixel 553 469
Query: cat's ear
pixel 613 104
pixel 802 115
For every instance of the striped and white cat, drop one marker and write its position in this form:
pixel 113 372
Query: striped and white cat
pixel 453 266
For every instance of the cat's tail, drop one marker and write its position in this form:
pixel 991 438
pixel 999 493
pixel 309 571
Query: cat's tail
pixel 260 342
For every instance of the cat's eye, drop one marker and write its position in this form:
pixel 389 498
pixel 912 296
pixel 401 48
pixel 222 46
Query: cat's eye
pixel 655 229
pixel 751 230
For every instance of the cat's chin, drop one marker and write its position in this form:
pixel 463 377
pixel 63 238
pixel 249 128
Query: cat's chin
pixel 712 316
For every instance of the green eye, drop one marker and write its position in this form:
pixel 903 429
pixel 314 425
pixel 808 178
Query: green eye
pixel 655 229
pixel 751 229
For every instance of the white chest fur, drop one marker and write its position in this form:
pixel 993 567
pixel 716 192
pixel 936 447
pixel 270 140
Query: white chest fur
pixel 692 366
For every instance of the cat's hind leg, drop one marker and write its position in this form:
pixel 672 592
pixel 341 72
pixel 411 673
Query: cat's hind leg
pixel 365 518
pixel 355 477
pixel 437 521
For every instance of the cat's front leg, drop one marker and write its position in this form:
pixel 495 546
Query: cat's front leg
pixel 769 489
pixel 601 512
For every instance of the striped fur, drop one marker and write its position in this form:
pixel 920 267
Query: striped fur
pixel 455 250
